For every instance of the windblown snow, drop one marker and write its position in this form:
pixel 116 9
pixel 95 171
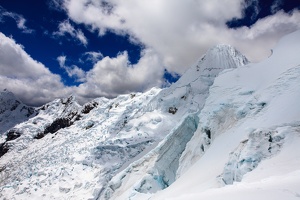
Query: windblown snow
pixel 227 129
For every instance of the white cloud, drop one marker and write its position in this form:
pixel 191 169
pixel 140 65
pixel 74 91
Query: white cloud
pixel 260 38
pixel 55 4
pixel 175 33
pixel 179 31
pixel 276 6
pixel 93 56
pixel 20 20
pixel 254 5
pixel 113 76
pixel 61 60
pixel 34 84
pixel 172 28
pixel 66 28
pixel 72 71
pixel 27 78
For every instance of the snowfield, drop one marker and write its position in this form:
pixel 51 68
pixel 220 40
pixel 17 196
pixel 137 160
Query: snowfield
pixel 227 129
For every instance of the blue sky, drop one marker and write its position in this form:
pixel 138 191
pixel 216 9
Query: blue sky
pixel 41 42
pixel 93 48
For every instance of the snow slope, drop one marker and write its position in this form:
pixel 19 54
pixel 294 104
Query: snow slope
pixel 254 134
pixel 157 170
pixel 226 129
pixel 73 151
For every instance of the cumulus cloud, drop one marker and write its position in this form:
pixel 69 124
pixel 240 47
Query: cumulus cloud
pixel 113 76
pixel 27 78
pixel 66 28
pixel 175 34
pixel 35 85
pixel 260 38
pixel 180 31
pixel 20 20
pixel 72 71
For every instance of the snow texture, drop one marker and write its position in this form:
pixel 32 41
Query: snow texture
pixel 227 129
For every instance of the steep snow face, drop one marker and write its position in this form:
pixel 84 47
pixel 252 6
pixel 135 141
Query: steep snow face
pixel 244 93
pixel 190 91
pixel 247 134
pixel 12 111
pixel 215 60
pixel 156 170
pixel 184 99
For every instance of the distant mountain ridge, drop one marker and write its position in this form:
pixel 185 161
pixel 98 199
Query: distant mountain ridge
pixel 12 111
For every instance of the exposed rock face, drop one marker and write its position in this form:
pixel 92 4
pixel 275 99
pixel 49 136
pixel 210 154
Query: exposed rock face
pixel 3 149
pixel 49 118
pixel 13 134
pixel 89 106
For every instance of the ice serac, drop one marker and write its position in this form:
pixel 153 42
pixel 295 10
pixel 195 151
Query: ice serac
pixel 261 144
pixel 156 170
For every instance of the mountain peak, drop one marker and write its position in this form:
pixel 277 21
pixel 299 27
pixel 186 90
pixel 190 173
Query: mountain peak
pixel 192 88
pixel 69 100
pixel 12 111
pixel 8 101
pixel 215 60
pixel 224 56
pixel 6 95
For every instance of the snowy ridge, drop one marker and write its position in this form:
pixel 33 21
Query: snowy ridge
pixel 12 111
pixel 99 140
pixel 224 129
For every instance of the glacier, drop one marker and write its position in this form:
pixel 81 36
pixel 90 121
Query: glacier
pixel 227 129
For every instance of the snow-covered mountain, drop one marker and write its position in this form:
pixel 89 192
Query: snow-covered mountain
pixel 227 129
pixel 13 111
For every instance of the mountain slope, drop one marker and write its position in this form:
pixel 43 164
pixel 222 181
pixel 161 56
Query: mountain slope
pixel 225 128
pixel 105 136
pixel 252 119
pixel 184 99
